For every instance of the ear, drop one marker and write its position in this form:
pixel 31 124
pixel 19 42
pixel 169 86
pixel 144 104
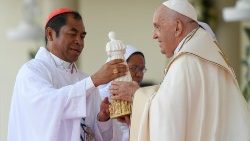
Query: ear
pixel 49 34
pixel 179 28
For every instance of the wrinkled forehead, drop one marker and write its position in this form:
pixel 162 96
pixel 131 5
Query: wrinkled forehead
pixel 157 11
pixel 160 14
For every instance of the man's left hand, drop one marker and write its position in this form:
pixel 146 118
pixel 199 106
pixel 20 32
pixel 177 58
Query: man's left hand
pixel 104 114
pixel 125 119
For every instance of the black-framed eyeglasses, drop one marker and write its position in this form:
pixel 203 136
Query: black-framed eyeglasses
pixel 136 69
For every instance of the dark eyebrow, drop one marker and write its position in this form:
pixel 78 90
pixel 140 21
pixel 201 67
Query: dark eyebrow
pixel 75 30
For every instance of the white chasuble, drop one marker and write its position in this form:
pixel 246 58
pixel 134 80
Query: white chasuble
pixel 199 98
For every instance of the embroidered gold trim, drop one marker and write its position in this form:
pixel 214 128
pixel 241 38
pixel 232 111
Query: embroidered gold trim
pixel 220 51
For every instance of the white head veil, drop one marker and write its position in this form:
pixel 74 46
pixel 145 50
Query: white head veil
pixel 206 27
pixel 130 50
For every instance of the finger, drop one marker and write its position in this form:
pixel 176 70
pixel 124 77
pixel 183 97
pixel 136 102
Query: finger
pixel 114 83
pixel 113 92
pixel 119 98
pixel 104 115
pixel 121 74
pixel 104 106
pixel 126 98
pixel 115 97
pixel 115 61
pixel 122 68
pixel 121 119
pixel 117 92
pixel 127 119
pixel 118 83
pixel 114 87
pixel 106 100
pixel 115 71
pixel 107 111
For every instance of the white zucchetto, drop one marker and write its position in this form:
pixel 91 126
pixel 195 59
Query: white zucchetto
pixel 183 7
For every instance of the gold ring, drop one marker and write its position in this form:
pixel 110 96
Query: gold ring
pixel 115 71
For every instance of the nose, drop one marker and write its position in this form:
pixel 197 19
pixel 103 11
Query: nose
pixel 140 73
pixel 79 40
pixel 138 77
pixel 155 35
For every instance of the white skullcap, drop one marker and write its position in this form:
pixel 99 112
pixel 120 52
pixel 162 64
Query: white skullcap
pixel 183 7
pixel 206 27
pixel 129 51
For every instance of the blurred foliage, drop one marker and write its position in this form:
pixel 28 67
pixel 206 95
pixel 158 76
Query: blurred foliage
pixel 246 63
pixel 207 11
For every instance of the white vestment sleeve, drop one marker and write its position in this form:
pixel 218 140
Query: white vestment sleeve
pixel 93 108
pixel 106 128
pixel 42 103
pixel 68 101
pixel 49 101
pixel 75 102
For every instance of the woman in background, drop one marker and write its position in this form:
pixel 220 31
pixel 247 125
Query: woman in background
pixel 136 64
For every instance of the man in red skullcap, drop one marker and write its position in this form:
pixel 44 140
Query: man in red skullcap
pixel 52 99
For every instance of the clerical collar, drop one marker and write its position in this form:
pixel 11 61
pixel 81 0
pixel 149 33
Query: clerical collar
pixel 184 40
pixel 63 64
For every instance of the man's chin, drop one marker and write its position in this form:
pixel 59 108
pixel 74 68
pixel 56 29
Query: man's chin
pixel 163 52
pixel 72 60
pixel 169 55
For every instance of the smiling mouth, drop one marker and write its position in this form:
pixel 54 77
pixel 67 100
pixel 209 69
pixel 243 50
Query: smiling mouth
pixel 159 43
pixel 76 50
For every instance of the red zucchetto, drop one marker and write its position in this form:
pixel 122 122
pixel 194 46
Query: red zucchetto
pixel 57 12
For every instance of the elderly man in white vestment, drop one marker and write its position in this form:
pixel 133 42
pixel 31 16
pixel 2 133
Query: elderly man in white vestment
pixel 52 99
pixel 199 98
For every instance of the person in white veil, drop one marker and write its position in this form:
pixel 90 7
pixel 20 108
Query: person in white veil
pixel 136 64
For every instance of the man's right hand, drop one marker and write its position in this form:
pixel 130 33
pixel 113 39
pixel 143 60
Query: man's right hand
pixel 123 90
pixel 109 71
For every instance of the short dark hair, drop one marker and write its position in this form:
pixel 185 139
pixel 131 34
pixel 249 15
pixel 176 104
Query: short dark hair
pixel 60 20
pixel 140 53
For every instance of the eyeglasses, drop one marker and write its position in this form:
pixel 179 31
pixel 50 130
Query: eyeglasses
pixel 136 69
